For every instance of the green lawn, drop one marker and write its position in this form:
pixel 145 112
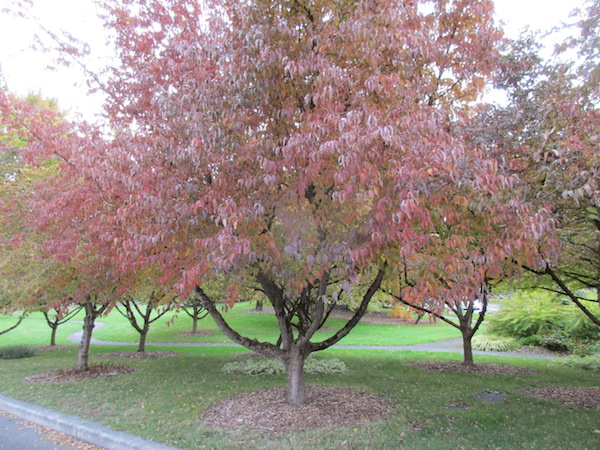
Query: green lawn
pixel 259 326
pixel 165 398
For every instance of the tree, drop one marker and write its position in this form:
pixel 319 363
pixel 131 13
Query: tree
pixel 193 308
pixel 309 135
pixel 548 134
pixel 57 316
pixel 476 233
pixel 292 145
pixel 57 210
pixel 131 308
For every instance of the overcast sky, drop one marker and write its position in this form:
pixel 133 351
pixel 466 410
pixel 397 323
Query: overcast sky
pixel 25 70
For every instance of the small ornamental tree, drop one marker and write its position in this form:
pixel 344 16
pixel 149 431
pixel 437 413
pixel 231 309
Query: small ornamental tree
pixel 477 232
pixel 66 208
pixel 58 316
pixel 143 313
pixel 193 308
pixel 291 144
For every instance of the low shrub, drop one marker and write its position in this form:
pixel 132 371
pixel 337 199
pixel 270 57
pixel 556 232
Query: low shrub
pixel 528 314
pixel 16 352
pixel 491 343
pixel 556 340
pixel 270 366
pixel 591 362
pixel 545 319
pixel 529 341
pixel 585 348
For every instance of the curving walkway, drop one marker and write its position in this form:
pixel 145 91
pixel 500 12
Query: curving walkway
pixel 448 346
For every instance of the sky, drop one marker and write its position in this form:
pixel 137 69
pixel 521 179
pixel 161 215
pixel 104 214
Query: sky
pixel 26 70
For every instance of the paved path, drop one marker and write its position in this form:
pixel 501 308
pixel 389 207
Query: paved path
pixel 448 346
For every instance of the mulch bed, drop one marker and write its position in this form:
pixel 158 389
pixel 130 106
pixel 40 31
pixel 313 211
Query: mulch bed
pixel 488 369
pixel 51 347
pixel 70 375
pixel 138 355
pixel 583 397
pixel 269 413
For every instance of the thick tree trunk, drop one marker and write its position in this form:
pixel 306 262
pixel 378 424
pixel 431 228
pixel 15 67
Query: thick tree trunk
pixel 195 324
pixel 294 366
pixel 53 336
pixel 467 347
pixel 84 345
pixel 142 344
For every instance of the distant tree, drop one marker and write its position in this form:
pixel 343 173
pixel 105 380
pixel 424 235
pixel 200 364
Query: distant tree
pixel 139 313
pixel 57 316
pixel 193 308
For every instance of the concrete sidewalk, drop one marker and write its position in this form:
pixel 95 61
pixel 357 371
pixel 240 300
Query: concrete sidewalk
pixel 79 428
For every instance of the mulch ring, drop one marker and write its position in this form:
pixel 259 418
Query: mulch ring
pixel 70 375
pixel 488 369
pixel 51 347
pixel 269 413
pixel 583 397
pixel 138 355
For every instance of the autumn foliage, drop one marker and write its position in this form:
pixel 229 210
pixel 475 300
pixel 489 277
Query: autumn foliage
pixel 306 148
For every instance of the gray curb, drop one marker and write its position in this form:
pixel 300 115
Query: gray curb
pixel 77 427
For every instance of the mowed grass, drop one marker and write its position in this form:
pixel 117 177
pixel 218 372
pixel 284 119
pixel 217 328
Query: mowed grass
pixel 261 326
pixel 165 398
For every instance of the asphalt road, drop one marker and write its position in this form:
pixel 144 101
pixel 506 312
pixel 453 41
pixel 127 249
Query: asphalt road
pixel 19 434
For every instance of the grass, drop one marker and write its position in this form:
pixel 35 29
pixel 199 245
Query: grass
pixel 34 330
pixel 165 398
pixel 191 381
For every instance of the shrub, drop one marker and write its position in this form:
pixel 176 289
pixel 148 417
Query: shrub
pixel 270 366
pixel 556 341
pixel 399 312
pixel 584 348
pixel 529 340
pixel 528 314
pixel 491 343
pixel 16 352
pixel 591 362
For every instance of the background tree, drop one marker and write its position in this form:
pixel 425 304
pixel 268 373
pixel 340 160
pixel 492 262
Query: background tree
pixel 63 208
pixel 548 134
pixel 143 305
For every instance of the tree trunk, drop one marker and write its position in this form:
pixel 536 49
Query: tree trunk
pixel 84 345
pixel 53 336
pixel 259 306
pixel 142 344
pixel 195 324
pixel 294 366
pixel 467 347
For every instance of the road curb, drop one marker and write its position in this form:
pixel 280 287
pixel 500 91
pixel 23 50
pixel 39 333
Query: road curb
pixel 82 429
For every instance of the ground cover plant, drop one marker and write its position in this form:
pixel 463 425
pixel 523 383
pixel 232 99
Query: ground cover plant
pixel 452 418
